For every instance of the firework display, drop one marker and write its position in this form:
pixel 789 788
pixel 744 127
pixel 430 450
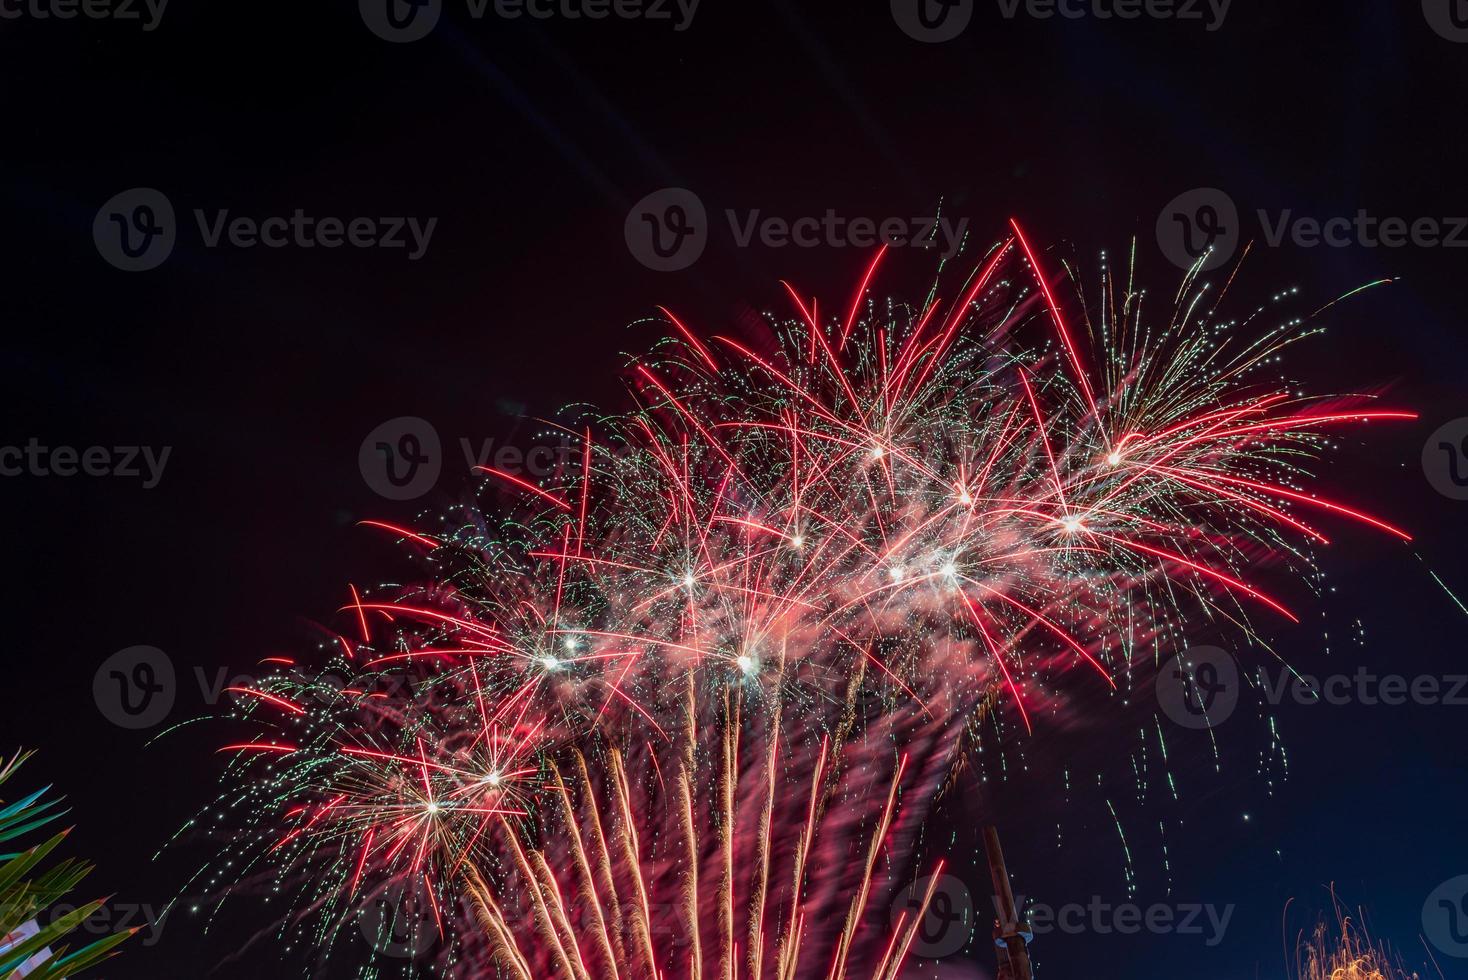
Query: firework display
pixel 1346 953
pixel 679 709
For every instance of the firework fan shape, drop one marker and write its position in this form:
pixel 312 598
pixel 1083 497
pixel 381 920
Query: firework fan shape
pixel 719 857
pixel 763 610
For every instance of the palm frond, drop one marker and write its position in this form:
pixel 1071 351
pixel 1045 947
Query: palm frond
pixel 27 891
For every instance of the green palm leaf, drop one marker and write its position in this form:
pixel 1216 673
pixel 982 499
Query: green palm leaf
pixel 27 891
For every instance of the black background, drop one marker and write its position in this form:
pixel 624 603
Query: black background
pixel 530 140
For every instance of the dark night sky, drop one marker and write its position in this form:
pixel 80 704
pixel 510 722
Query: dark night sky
pixel 263 369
